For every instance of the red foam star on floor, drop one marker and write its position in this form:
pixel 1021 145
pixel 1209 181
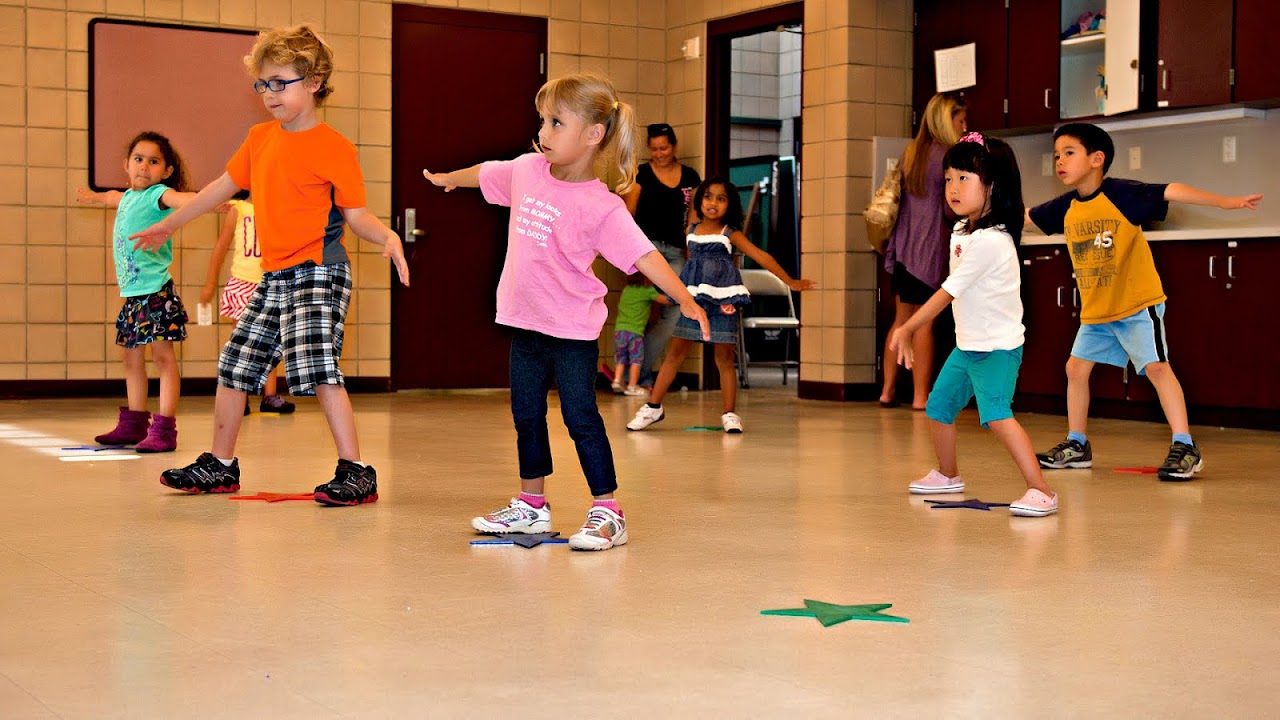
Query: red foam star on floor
pixel 1139 470
pixel 272 497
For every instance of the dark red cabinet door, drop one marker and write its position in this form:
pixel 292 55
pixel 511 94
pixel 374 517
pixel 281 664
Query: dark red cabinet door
pixel 1255 64
pixel 1193 53
pixel 1049 318
pixel 1033 62
pixel 943 24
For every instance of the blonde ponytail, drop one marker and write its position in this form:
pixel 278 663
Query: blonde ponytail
pixel 594 99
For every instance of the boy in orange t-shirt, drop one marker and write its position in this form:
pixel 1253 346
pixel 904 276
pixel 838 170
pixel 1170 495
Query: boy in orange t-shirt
pixel 306 182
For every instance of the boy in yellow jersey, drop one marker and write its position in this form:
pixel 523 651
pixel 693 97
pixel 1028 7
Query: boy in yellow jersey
pixel 1121 299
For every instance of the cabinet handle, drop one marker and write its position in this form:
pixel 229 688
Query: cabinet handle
pixel 1211 259
pixel 1231 266
pixel 1060 296
pixel 1046 99
pixel 1075 297
pixel 1164 79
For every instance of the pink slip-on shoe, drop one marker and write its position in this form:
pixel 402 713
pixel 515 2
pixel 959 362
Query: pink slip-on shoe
pixel 1034 504
pixel 935 483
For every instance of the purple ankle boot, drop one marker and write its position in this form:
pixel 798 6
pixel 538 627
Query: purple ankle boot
pixel 162 437
pixel 131 428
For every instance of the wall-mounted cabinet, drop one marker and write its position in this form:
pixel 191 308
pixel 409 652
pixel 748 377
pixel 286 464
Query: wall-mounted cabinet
pixel 1147 55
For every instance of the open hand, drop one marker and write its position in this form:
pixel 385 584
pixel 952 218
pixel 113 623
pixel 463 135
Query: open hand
pixel 394 249
pixel 802 284
pixel 900 342
pixel 694 311
pixel 151 238
pixel 1241 202
pixel 439 180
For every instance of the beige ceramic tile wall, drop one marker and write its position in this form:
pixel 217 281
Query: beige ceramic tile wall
pixel 57 292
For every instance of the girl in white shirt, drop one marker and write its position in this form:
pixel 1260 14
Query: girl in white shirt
pixel 984 189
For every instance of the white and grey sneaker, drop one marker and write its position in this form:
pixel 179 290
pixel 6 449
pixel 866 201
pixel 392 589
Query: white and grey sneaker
pixel 645 417
pixel 603 529
pixel 518 517
pixel 731 422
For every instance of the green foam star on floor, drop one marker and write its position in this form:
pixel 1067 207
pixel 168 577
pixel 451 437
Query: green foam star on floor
pixel 829 614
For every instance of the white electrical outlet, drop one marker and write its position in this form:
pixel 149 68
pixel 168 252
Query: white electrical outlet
pixel 1135 158
pixel 1229 149
pixel 1046 164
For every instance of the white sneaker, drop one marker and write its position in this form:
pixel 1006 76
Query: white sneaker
pixel 731 422
pixel 603 529
pixel 635 391
pixel 645 417
pixel 518 517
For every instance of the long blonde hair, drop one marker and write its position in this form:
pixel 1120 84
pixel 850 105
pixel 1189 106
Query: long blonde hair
pixel 593 98
pixel 936 127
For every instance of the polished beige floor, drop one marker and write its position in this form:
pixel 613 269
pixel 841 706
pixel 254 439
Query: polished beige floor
pixel 120 598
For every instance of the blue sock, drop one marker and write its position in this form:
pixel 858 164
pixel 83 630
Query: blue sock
pixel 1183 438
pixel 1078 437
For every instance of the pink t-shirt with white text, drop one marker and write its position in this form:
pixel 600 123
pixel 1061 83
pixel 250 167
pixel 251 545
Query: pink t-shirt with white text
pixel 557 229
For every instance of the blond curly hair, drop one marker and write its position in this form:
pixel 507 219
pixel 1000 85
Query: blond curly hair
pixel 299 47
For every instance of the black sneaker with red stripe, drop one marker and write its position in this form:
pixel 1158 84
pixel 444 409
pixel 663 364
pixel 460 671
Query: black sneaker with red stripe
pixel 206 475
pixel 352 484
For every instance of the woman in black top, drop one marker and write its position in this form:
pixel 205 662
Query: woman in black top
pixel 659 200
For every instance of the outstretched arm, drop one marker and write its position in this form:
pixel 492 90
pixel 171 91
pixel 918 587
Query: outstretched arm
pixel 900 341
pixel 655 267
pixel 467 177
pixel 1177 192
pixel 368 227
pixel 220 249
pixel 108 198
pixel 213 195
pixel 766 261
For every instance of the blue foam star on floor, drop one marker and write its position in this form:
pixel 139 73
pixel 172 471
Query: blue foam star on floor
pixel 830 614
pixel 971 503
pixel 524 540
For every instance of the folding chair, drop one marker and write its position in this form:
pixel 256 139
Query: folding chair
pixel 762 283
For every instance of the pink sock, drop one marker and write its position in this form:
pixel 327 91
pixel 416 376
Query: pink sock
pixel 537 502
pixel 611 504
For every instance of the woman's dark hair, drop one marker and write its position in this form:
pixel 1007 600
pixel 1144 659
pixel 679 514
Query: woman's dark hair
pixel 662 130
pixel 177 179
pixel 733 216
pixel 995 164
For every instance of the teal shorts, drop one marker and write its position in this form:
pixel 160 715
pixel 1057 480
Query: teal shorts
pixel 988 376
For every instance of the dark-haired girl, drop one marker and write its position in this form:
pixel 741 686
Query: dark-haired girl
pixel 153 313
pixel 983 189
pixel 712 277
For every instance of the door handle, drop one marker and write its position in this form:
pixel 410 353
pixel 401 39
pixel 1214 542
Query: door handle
pixel 411 230
pixel 1211 259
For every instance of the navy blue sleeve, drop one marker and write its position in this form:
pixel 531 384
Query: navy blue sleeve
pixel 1050 216
pixel 1139 202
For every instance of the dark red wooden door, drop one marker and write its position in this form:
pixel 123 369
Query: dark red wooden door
pixel 1193 51
pixel 463 85
pixel 1033 63
pixel 1256 76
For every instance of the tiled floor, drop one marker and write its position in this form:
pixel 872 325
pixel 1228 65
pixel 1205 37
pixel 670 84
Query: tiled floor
pixel 121 598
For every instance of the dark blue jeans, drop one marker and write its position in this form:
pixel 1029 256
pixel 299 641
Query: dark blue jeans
pixel 538 363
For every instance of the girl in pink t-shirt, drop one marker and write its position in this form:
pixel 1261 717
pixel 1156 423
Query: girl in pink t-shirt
pixel 562 218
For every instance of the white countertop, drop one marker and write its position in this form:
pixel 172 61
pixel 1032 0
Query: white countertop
pixel 1237 233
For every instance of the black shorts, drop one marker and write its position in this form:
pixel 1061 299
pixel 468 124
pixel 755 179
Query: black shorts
pixel 909 288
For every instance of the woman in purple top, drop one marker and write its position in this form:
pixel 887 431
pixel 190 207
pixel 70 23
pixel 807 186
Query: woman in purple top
pixel 917 251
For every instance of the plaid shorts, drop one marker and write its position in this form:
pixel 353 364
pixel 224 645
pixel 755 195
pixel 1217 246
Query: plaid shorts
pixel 298 313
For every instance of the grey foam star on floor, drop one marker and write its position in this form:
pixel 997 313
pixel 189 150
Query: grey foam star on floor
pixel 971 504
pixel 524 540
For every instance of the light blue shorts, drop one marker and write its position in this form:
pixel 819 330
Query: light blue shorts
pixel 988 376
pixel 1138 338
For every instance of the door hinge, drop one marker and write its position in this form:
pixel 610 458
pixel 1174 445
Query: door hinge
pixel 1231 76
pixel 1006 106
pixel 542 63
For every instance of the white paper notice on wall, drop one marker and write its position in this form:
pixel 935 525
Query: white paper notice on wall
pixel 956 68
